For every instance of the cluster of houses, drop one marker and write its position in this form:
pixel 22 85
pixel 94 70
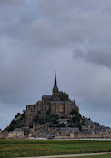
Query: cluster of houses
pixel 90 130
pixel 18 133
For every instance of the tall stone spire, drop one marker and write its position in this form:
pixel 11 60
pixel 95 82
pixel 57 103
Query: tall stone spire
pixel 55 88
pixel 55 79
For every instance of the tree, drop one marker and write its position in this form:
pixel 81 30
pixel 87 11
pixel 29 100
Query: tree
pixel 61 125
pixel 41 120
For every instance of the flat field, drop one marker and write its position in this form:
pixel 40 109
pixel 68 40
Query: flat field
pixel 27 148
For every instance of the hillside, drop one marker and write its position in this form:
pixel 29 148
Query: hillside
pixel 56 116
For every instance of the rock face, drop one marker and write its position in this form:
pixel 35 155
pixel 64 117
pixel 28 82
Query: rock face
pixel 56 104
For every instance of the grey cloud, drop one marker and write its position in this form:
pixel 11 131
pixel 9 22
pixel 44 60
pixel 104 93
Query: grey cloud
pixel 11 2
pixel 58 26
pixel 39 36
pixel 74 26
pixel 100 55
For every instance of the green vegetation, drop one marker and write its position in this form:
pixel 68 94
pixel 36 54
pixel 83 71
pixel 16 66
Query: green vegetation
pixel 61 125
pixel 20 122
pixel 24 148
pixel 76 120
pixel 52 118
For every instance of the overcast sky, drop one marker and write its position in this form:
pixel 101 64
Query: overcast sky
pixel 72 37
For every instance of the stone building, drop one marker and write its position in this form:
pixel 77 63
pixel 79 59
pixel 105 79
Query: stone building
pixel 18 133
pixel 58 104
pixel 3 134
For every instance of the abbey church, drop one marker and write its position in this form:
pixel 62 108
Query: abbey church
pixel 58 104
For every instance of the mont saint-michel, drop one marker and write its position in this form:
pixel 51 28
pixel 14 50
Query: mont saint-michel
pixel 56 105
pixel 54 116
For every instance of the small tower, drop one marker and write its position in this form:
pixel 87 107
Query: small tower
pixel 55 88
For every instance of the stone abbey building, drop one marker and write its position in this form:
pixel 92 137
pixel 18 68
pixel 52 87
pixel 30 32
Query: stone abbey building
pixel 58 104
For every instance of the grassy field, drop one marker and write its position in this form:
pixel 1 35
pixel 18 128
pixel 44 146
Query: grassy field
pixel 24 148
